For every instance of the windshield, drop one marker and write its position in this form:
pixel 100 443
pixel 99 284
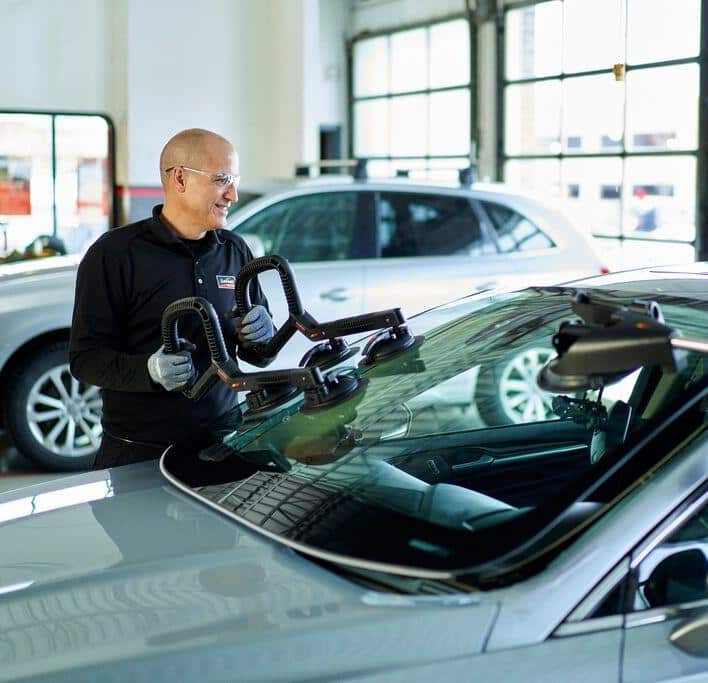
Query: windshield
pixel 449 456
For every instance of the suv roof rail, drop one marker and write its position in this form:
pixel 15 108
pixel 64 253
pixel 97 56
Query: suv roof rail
pixel 466 176
pixel 359 172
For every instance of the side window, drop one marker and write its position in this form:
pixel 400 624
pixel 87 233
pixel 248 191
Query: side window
pixel 316 227
pixel 676 571
pixel 427 225
pixel 266 225
pixel 515 232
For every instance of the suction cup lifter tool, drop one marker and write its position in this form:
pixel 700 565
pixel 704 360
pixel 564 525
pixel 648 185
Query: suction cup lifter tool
pixel 271 388
pixel 613 340
pixel 300 320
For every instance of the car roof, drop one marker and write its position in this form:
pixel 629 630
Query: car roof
pixel 684 279
pixel 275 185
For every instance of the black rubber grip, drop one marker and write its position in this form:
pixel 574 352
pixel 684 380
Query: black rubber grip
pixel 272 347
pixel 202 385
pixel 210 321
pixel 260 265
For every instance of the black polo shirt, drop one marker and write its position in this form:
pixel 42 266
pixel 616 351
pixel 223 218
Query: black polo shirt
pixel 125 281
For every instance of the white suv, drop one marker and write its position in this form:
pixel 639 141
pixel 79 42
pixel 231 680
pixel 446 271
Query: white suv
pixel 356 245
pixel 365 245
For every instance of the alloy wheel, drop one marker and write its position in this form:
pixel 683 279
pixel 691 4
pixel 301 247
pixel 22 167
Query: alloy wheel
pixel 521 399
pixel 63 414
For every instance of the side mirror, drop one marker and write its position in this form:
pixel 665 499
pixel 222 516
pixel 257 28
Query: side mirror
pixel 678 578
pixel 255 244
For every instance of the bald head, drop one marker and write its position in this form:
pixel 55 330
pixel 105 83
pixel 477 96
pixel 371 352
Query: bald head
pixel 191 147
pixel 196 199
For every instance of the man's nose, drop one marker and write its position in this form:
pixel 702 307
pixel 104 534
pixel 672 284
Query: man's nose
pixel 231 193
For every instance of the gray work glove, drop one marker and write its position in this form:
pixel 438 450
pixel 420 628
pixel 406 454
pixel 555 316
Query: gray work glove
pixel 256 327
pixel 172 370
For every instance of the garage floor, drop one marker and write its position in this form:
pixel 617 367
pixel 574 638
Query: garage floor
pixel 16 471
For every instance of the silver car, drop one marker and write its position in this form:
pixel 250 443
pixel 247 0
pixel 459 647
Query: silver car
pixel 356 245
pixel 387 538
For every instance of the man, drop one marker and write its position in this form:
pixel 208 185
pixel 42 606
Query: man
pixel 128 277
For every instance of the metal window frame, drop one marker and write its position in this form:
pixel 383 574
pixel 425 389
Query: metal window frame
pixel 113 210
pixel 700 243
pixel 471 86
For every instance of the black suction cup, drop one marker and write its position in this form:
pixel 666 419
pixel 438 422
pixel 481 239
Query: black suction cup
pixel 268 398
pixel 327 354
pixel 550 380
pixel 338 386
pixel 217 452
pixel 387 344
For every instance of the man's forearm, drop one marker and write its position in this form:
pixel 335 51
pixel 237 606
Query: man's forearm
pixel 112 369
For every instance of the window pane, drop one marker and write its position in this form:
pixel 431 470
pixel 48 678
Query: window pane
pixel 409 60
pixel 268 225
pixel 83 183
pixel 380 168
pixel 592 114
pixel 449 54
pixel 318 227
pixel 446 169
pixel 371 128
pixel 416 225
pixel 514 231
pixel 414 168
pixel 371 67
pixel 532 39
pixel 662 108
pixel 658 30
pixel 660 197
pixel 409 125
pixel 537 176
pixel 585 21
pixel 591 194
pixel 450 122
pixel 533 118
pixel 25 182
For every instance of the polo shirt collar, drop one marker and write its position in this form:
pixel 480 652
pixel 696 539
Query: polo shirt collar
pixel 164 233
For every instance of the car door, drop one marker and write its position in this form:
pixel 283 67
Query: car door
pixel 324 237
pixel 428 249
pixel 666 631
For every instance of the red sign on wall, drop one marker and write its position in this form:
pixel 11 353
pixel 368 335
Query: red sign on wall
pixel 15 186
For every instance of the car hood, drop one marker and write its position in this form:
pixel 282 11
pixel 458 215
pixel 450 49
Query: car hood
pixel 53 264
pixel 118 572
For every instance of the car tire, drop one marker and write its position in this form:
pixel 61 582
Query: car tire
pixel 52 418
pixel 507 392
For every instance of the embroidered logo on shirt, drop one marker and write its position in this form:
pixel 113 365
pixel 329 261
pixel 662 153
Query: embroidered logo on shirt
pixel 226 281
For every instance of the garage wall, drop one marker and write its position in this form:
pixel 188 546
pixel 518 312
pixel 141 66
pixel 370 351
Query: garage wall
pixel 249 70
pixel 54 54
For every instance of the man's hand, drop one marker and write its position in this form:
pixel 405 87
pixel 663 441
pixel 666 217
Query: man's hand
pixel 171 370
pixel 256 327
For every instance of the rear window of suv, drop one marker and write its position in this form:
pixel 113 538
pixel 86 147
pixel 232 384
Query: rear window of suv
pixel 516 232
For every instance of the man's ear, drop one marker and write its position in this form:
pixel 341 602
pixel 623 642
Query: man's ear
pixel 179 179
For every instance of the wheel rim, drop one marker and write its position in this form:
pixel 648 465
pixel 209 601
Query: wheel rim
pixel 63 414
pixel 521 399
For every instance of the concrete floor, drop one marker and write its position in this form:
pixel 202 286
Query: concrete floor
pixel 16 471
